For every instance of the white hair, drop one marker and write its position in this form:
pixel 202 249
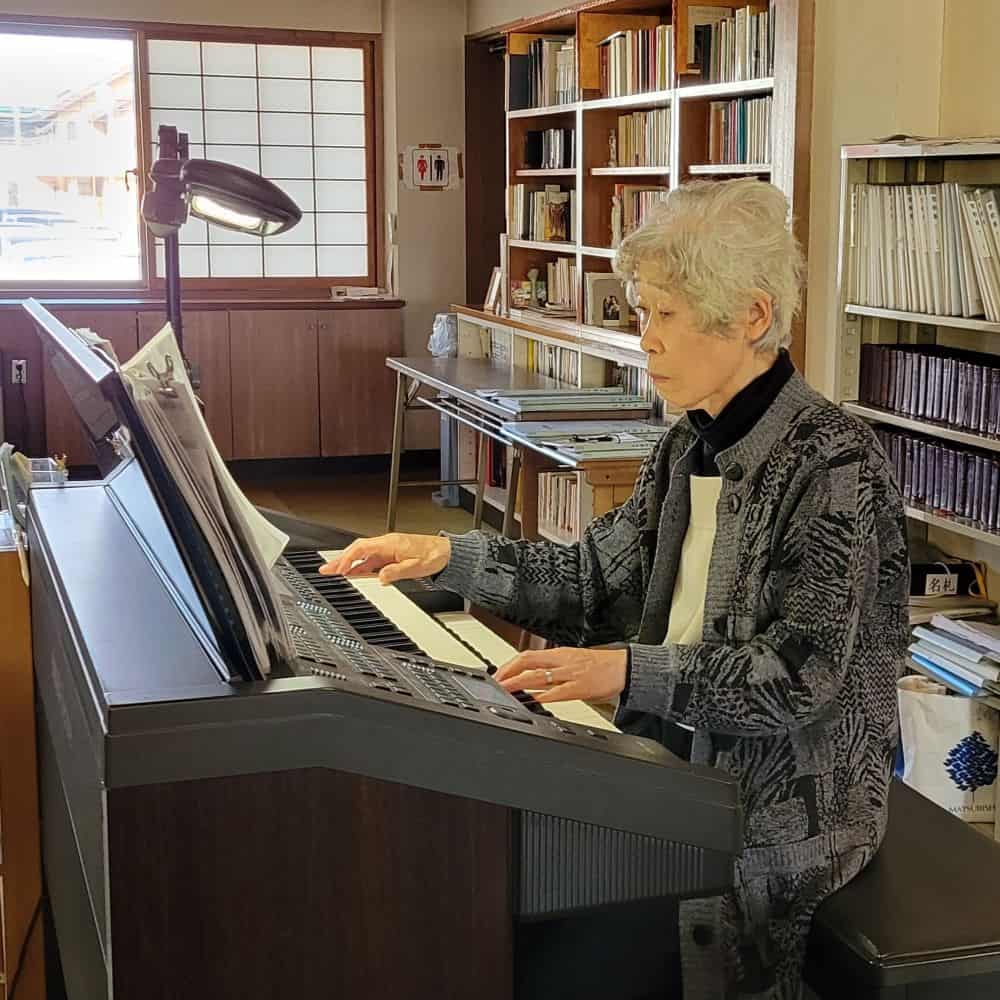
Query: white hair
pixel 719 244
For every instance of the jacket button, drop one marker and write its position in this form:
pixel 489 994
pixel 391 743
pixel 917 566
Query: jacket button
pixel 702 935
pixel 735 503
pixel 735 472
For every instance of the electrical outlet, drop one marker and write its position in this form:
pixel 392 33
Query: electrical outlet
pixel 19 372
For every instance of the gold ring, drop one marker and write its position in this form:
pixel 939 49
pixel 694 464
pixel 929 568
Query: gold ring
pixel 548 677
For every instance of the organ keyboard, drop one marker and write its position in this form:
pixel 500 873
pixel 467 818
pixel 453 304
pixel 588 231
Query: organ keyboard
pixel 394 617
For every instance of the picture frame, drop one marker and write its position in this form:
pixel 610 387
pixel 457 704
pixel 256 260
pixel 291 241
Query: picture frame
pixel 606 304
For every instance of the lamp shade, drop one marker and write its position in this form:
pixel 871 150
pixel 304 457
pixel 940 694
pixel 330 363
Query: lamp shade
pixel 229 196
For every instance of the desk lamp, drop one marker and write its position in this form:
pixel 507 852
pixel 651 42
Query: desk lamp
pixel 219 193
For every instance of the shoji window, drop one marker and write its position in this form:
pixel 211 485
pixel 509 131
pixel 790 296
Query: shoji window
pixel 301 115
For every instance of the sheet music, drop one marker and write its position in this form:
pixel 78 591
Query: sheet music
pixel 244 544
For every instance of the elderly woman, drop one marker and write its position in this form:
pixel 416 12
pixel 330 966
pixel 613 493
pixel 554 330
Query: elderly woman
pixel 758 575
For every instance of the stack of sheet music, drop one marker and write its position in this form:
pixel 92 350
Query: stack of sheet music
pixel 244 544
pixel 595 403
pixel 590 440
pixel 965 655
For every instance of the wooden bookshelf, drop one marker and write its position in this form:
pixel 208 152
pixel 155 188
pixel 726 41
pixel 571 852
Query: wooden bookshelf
pixel 727 169
pixel 498 131
pixel 592 116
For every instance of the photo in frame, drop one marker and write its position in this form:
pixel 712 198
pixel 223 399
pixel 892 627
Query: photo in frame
pixel 606 304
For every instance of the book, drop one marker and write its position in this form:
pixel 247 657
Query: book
pixel 636 61
pixel 728 43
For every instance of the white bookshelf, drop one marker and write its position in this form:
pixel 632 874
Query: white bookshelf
pixel 857 324
pixel 722 91
pixel 728 169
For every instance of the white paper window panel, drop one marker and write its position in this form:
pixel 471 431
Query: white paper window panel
pixel 283 60
pixel 186 121
pixel 304 232
pixel 340 196
pixel 174 91
pixel 247 157
pixel 289 261
pixel 340 164
pixel 286 161
pixel 285 95
pixel 194 231
pixel 228 59
pixel 285 129
pixel 343 262
pixel 230 93
pixel 342 227
pixel 338 64
pixel 194 262
pixel 339 130
pixel 231 127
pixel 236 262
pixel 232 238
pixel 338 97
pixel 301 192
pixel 174 57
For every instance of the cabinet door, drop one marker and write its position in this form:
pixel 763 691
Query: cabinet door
pixel 357 391
pixel 206 345
pixel 22 419
pixel 275 384
pixel 63 433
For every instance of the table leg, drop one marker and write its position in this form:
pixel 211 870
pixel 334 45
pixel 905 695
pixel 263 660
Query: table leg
pixel 529 495
pixel 509 524
pixel 477 513
pixel 397 451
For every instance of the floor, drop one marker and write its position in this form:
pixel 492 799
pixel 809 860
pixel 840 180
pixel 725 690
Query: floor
pixel 351 499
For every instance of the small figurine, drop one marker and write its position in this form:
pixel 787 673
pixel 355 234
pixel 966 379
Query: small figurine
pixel 533 278
pixel 612 148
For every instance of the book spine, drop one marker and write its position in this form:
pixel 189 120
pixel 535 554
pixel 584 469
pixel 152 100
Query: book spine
pixel 949 481
pixel 961 483
pixel 994 474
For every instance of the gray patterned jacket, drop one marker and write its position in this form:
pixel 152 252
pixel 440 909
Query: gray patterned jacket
pixel 792 689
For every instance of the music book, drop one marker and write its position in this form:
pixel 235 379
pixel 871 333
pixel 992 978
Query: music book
pixel 245 545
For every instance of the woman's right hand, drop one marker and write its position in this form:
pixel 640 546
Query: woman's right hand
pixel 393 557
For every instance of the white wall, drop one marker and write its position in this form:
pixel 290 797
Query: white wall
pixel 970 72
pixel 485 14
pixel 424 51
pixel 317 15
pixel 877 72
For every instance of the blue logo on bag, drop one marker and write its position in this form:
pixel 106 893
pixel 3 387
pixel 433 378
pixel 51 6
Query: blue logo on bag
pixel 972 763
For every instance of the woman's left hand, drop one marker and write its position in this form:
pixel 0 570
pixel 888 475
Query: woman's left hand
pixel 566 674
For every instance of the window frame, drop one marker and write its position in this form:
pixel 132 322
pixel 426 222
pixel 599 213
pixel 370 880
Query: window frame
pixel 140 33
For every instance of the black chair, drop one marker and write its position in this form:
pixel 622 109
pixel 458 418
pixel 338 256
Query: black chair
pixel 922 922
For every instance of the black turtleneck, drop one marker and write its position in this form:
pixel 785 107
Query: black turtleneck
pixel 739 414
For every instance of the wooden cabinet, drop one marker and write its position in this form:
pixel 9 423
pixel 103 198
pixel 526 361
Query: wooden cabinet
pixel 206 345
pixel 21 418
pixel 356 390
pixel 20 852
pixel 63 434
pixel 275 388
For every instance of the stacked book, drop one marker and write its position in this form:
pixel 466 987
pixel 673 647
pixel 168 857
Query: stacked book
pixel 644 138
pixel 959 389
pixel 546 75
pixel 636 62
pixel 542 215
pixel 598 403
pixel 631 205
pixel 963 654
pixel 930 248
pixel 739 131
pixel 550 149
pixel 561 285
pixel 559 504
pixel 730 44
pixel 946 479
